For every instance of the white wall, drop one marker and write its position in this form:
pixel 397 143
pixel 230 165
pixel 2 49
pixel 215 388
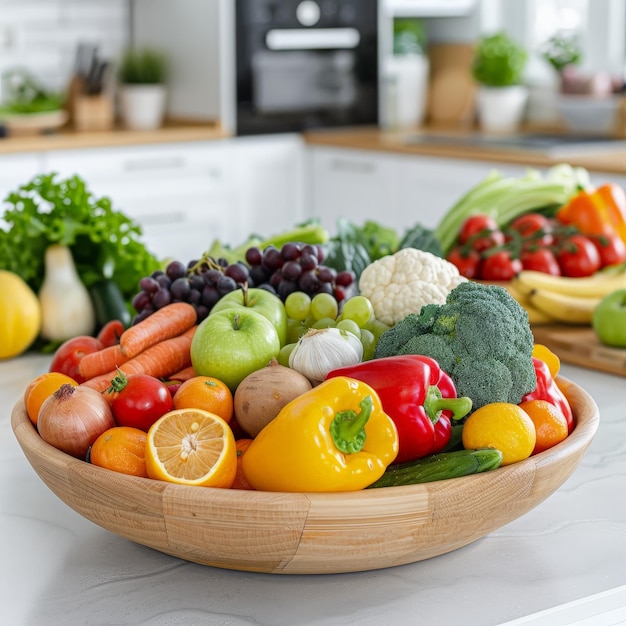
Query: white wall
pixel 42 35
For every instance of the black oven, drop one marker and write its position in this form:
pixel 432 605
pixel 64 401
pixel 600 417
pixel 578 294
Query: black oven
pixel 304 64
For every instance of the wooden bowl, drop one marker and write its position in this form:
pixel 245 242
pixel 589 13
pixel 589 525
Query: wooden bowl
pixel 312 533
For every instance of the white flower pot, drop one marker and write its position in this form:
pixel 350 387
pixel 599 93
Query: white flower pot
pixel 142 107
pixel 501 109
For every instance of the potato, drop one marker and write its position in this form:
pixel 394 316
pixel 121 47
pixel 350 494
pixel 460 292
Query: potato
pixel 261 395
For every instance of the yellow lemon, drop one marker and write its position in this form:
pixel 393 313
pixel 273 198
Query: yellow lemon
pixel 20 315
pixel 503 426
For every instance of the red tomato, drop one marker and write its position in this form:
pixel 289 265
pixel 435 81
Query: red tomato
pixel 611 249
pixel 481 231
pixel 466 261
pixel 578 256
pixel 111 332
pixel 500 266
pixel 141 402
pixel 540 260
pixel 535 228
pixel 69 354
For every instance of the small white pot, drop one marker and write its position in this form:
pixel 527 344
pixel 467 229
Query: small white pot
pixel 501 109
pixel 142 107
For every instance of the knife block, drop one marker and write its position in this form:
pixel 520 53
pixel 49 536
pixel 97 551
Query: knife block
pixel 89 112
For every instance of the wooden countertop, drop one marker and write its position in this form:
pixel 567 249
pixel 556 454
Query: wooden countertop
pixel 64 139
pixel 611 161
pixel 361 138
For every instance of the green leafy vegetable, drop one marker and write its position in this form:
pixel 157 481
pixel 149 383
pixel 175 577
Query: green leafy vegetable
pixel 104 243
pixel 422 238
pixel 310 232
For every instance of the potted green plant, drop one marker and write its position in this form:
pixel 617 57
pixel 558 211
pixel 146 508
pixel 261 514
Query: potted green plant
pixel 142 75
pixel 498 68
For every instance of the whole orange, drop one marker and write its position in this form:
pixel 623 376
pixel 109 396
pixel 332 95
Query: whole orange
pixel 40 388
pixel 206 393
pixel 121 449
pixel 550 423
pixel 241 482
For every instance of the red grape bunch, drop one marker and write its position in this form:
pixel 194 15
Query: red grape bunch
pixel 201 283
pixel 298 267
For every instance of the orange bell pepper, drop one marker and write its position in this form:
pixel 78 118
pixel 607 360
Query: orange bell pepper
pixel 598 212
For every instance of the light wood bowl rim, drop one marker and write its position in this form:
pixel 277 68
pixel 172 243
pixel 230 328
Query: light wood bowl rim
pixel 152 512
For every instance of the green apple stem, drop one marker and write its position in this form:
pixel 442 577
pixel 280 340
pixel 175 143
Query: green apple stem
pixel 236 322
pixel 244 288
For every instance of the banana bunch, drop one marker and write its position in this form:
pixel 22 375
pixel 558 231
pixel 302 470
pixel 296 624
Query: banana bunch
pixel 562 299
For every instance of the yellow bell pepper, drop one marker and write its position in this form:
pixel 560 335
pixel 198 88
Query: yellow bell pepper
pixel 335 437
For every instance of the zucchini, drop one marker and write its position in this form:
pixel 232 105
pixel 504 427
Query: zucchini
pixel 109 303
pixel 440 467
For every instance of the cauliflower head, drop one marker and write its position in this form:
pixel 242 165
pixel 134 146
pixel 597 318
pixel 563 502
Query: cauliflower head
pixel 402 283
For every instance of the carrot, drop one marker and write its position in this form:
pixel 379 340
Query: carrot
pixel 160 360
pixel 170 321
pixel 101 361
pixel 185 374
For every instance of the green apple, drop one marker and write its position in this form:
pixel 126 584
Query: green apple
pixel 609 319
pixel 232 343
pixel 261 301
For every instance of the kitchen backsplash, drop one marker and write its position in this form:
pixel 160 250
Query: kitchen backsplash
pixel 42 35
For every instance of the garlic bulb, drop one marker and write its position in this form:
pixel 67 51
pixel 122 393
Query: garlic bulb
pixel 321 350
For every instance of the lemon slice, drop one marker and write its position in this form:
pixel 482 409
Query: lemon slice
pixel 192 447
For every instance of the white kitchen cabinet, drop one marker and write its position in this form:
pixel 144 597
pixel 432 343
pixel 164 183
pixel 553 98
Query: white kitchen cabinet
pixel 270 181
pixel 357 185
pixel 183 195
pixel 186 195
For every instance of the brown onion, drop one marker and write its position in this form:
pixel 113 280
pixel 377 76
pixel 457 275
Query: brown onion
pixel 72 418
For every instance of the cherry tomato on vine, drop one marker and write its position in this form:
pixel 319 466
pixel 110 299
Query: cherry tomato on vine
pixel 578 256
pixel 535 226
pixel 466 261
pixel 481 231
pixel 611 249
pixel 139 400
pixel 500 266
pixel 540 260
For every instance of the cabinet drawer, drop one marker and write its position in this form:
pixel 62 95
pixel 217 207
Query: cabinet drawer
pixel 146 164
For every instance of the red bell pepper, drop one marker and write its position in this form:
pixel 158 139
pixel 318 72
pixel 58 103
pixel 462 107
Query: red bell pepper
pixel 548 390
pixel 417 395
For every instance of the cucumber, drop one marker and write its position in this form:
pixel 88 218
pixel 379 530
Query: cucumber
pixel 440 467
pixel 456 438
pixel 109 303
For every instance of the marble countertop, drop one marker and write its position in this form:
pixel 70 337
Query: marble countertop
pixel 59 568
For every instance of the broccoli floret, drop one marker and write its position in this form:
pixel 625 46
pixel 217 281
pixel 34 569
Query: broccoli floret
pixel 481 337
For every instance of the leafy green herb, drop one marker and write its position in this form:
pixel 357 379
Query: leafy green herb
pixel 104 243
